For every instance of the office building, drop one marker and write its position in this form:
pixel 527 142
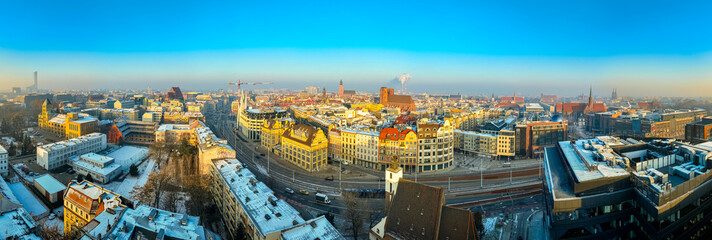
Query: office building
pixel 174 133
pixel 54 155
pixel 699 130
pixel 643 124
pixel 305 146
pixel 272 131
pixel 609 188
pixel 133 132
pixel 102 169
pixel 251 121
pixel 532 137
pixel 70 125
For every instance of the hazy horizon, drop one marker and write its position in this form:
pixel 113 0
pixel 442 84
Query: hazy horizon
pixel 640 48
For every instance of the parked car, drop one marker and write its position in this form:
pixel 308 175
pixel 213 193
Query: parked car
pixel 330 178
pixel 289 190
pixel 305 192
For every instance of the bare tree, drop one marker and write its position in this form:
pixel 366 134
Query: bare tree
pixel 197 188
pixel 354 214
pixel 170 202
pixel 150 193
pixel 51 231
pixel 158 150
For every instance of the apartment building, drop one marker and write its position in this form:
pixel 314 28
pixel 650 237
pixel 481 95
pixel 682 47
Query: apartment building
pixel 3 161
pixel 244 201
pixel 84 201
pixel 436 142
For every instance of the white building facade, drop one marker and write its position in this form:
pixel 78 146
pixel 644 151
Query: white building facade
pixel 51 156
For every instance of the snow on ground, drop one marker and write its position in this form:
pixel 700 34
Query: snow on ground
pixel 56 222
pixel 29 202
pixel 124 188
pixel 490 224
pixel 127 155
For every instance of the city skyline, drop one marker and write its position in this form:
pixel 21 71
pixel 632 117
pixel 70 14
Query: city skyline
pixel 478 48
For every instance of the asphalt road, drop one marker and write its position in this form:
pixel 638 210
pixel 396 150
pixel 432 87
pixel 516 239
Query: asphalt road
pixel 284 176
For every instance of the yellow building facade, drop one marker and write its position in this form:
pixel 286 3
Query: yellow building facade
pixel 272 131
pixel 84 201
pixel 305 146
pixel 70 125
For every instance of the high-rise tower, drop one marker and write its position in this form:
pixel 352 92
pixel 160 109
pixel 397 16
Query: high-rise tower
pixel 341 88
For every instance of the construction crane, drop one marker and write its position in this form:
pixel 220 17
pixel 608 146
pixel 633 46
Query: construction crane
pixel 243 101
pixel 239 84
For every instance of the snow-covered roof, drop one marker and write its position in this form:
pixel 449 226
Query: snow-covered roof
pixel 268 213
pixel 17 224
pixel 318 228
pixel 106 170
pixel 71 142
pixel 50 184
pixel 582 154
pixel 159 222
pixel 166 127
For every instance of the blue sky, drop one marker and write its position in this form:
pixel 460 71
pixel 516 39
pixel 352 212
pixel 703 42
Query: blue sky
pixel 466 46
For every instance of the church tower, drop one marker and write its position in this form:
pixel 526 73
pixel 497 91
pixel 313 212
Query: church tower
pixel 393 174
pixel 341 88
pixel 44 115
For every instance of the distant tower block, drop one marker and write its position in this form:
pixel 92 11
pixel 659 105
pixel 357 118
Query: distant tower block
pixel 393 174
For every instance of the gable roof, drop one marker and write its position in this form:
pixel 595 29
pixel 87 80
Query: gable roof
pixel 415 211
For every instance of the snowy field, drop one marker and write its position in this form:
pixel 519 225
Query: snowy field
pixel 124 188
pixel 30 203
pixel 127 155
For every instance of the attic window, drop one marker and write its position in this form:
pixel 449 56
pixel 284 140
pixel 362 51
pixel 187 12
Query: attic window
pixel 278 214
pixel 247 199
pixel 267 217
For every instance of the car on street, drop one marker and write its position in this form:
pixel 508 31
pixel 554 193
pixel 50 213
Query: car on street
pixel 343 169
pixel 329 178
pixel 305 192
pixel 289 190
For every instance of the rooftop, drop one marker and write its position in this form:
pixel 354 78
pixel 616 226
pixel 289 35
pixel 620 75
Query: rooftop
pixel 268 213
pixel 50 184
pixel 71 142
pixel 166 127
pixel 592 159
pixel 147 221
pixel 318 228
